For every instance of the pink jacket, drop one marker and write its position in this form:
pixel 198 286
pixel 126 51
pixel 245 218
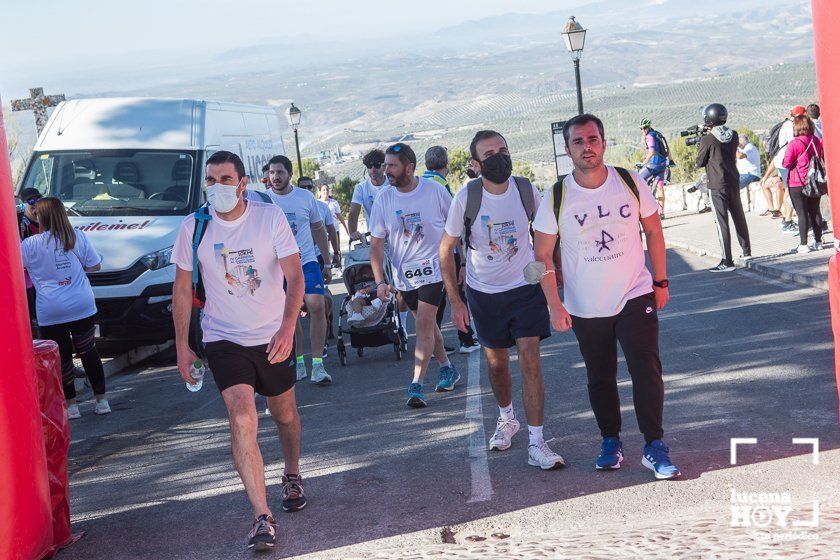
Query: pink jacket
pixel 798 157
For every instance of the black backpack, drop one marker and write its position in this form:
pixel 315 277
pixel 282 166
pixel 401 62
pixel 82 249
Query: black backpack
pixel 475 191
pixel 771 143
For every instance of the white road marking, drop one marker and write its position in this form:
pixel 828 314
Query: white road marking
pixel 482 486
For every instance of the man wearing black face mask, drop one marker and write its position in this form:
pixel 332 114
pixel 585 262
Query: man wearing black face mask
pixel 494 215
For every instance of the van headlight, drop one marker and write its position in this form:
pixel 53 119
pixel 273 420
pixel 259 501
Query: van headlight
pixel 158 259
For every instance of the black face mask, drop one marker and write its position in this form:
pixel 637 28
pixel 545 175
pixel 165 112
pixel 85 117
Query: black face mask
pixel 497 168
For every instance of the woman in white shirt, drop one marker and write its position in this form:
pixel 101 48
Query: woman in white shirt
pixel 57 259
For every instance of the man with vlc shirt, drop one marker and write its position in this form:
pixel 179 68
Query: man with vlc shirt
pixel 609 294
pixel 507 311
pixel 412 216
pixel 308 228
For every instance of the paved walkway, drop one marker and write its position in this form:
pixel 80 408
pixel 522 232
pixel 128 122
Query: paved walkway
pixel 770 247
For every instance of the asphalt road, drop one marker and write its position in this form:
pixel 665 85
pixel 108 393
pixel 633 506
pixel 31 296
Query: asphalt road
pixel 743 357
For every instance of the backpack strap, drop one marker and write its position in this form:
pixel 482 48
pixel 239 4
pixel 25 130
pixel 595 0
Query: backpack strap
pixel 630 183
pixel 202 218
pixel 526 194
pixel 264 196
pixel 558 196
pixel 475 189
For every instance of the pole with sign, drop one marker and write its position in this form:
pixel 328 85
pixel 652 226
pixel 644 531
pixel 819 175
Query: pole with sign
pixel 562 161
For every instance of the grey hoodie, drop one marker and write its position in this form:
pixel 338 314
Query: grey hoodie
pixel 717 153
pixel 723 134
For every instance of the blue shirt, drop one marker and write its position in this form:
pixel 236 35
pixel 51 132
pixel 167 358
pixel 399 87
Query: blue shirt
pixel 652 143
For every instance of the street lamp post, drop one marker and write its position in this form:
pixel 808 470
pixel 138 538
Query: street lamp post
pixel 293 114
pixel 574 36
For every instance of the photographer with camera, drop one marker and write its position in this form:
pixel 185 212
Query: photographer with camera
pixel 718 154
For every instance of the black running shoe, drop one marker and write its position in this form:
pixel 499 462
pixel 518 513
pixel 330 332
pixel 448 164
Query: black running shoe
pixel 724 266
pixel 263 533
pixel 293 497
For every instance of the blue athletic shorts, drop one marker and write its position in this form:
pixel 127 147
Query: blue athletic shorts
pixel 314 279
pixel 499 319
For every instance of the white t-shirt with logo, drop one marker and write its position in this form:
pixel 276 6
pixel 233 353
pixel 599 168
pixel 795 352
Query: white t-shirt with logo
pixel 335 209
pixel 365 194
pixel 63 292
pixel 500 238
pixel 413 225
pixel 301 211
pixel 326 216
pixel 601 249
pixel 240 269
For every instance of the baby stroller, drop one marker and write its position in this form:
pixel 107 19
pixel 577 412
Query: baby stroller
pixel 379 326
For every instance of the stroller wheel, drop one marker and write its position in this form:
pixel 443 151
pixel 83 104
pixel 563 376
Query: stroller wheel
pixel 360 352
pixel 398 351
pixel 342 355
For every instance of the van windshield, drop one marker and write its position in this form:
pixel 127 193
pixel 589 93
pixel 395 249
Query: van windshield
pixel 115 182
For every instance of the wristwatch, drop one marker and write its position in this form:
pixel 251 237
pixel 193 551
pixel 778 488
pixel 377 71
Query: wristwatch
pixel 661 283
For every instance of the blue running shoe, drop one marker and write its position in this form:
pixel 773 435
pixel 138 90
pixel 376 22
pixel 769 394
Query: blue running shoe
pixel 656 459
pixel 612 454
pixel 449 376
pixel 416 396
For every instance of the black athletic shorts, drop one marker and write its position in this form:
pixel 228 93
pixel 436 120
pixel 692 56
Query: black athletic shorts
pixel 233 364
pixel 499 319
pixel 428 293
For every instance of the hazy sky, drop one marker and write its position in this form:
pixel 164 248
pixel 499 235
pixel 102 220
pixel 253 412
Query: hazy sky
pixel 46 36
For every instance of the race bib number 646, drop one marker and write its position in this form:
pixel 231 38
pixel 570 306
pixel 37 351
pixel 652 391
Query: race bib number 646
pixel 420 273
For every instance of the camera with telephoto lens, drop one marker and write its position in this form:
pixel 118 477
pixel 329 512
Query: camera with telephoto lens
pixel 693 134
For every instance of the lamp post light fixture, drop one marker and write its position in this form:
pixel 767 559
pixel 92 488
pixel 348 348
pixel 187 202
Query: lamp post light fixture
pixel 293 115
pixel 574 36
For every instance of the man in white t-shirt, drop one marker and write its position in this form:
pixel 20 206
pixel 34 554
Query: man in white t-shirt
pixel 245 255
pixel 412 216
pixel 777 159
pixel 366 192
pixel 507 311
pixel 609 295
pixel 324 195
pixel 749 162
pixel 305 220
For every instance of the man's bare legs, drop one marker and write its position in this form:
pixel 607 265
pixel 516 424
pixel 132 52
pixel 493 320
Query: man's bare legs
pixel 429 340
pixel 501 381
pixel 242 416
pixel 284 412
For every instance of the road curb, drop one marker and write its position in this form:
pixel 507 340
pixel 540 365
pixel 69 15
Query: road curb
pixel 134 356
pixel 756 265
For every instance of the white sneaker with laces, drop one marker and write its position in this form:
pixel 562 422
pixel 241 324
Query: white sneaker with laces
pixel 320 375
pixel 73 412
pixel 102 407
pixel 471 348
pixel 300 370
pixel 505 430
pixel 803 249
pixel 542 456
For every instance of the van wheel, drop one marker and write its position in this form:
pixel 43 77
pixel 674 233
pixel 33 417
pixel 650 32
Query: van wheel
pixel 195 333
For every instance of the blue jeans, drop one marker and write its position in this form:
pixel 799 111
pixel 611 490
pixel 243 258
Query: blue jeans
pixel 746 179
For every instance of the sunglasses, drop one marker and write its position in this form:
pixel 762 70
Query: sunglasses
pixel 374 166
pixel 33 200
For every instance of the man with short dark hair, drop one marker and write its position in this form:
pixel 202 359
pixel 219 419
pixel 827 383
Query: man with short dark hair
pixel 366 192
pixel 609 295
pixel 308 228
pixel 813 112
pixel 507 310
pixel 437 168
pixel 28 226
pixel 411 217
pixel 246 254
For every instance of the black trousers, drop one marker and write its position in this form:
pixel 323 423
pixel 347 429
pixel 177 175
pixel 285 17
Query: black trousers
pixel 808 214
pixel 725 201
pixel 636 328
pixel 465 338
pixel 78 336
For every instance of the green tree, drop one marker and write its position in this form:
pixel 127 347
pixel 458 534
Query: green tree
pixel 459 160
pixel 310 168
pixel 684 156
pixel 343 192
pixel 524 169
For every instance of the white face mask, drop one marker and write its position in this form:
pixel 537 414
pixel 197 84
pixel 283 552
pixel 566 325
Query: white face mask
pixel 222 198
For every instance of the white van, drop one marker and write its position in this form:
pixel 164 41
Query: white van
pixel 128 171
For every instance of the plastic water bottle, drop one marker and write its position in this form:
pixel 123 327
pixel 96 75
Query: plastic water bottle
pixel 20 208
pixel 197 371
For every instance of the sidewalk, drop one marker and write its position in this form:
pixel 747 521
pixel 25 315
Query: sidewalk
pixel 770 246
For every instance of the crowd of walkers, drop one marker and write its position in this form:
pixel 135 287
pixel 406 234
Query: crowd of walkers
pixel 498 251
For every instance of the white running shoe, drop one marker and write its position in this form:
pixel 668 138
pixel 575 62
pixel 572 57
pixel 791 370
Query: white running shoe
pixel 320 375
pixel 802 249
pixel 300 368
pixel 73 412
pixel 505 429
pixel 542 456
pixel 102 407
